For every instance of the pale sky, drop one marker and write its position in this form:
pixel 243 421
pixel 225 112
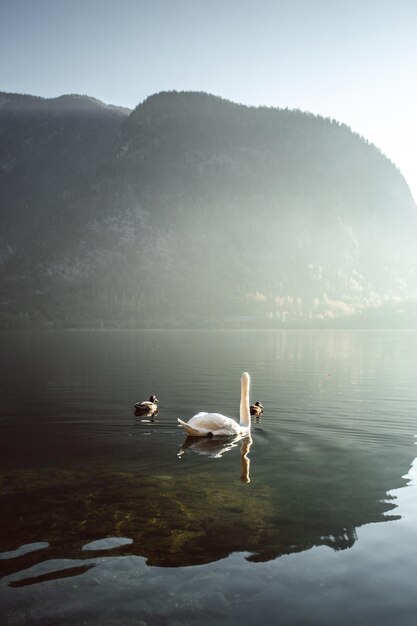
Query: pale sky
pixel 352 60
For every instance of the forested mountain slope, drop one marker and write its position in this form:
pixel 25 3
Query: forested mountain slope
pixel 195 211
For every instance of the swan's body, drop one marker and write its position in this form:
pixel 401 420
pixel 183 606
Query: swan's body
pixel 256 409
pixel 147 407
pixel 212 424
pixel 215 424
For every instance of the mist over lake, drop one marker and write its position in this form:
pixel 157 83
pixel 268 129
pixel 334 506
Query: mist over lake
pixel 123 518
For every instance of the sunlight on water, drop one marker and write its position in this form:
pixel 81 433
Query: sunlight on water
pixel 94 498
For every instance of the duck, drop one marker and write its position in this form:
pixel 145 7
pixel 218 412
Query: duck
pixel 147 407
pixel 256 409
pixel 215 424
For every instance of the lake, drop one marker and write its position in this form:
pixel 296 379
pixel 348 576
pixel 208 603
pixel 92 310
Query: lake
pixel 110 519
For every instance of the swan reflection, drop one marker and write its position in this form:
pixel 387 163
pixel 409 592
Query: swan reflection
pixel 215 447
pixel 245 460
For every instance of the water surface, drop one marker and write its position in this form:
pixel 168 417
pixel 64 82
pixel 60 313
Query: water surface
pixel 110 519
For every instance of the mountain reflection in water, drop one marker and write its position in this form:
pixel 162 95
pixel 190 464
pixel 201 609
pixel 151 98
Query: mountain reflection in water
pixel 320 463
pixel 190 519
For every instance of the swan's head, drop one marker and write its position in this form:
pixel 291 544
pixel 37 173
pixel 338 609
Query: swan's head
pixel 153 399
pixel 245 378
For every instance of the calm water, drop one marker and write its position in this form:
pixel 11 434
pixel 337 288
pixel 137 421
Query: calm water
pixel 107 519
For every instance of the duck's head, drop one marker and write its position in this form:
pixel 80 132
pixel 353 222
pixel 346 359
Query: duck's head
pixel 259 404
pixel 153 399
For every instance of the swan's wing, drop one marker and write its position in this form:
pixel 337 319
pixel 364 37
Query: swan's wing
pixel 192 431
pixel 198 417
pixel 209 421
pixel 215 423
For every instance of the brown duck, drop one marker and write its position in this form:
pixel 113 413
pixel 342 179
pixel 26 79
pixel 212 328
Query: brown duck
pixel 147 407
pixel 256 409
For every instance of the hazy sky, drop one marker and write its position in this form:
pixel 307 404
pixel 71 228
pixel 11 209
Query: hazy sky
pixel 354 60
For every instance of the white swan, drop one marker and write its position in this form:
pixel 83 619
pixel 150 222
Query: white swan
pixel 215 424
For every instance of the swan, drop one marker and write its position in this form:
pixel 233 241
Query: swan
pixel 256 409
pixel 215 424
pixel 147 407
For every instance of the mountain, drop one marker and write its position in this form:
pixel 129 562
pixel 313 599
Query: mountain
pixel 191 210
pixel 47 149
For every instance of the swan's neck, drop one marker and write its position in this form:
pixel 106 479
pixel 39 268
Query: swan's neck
pixel 244 400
